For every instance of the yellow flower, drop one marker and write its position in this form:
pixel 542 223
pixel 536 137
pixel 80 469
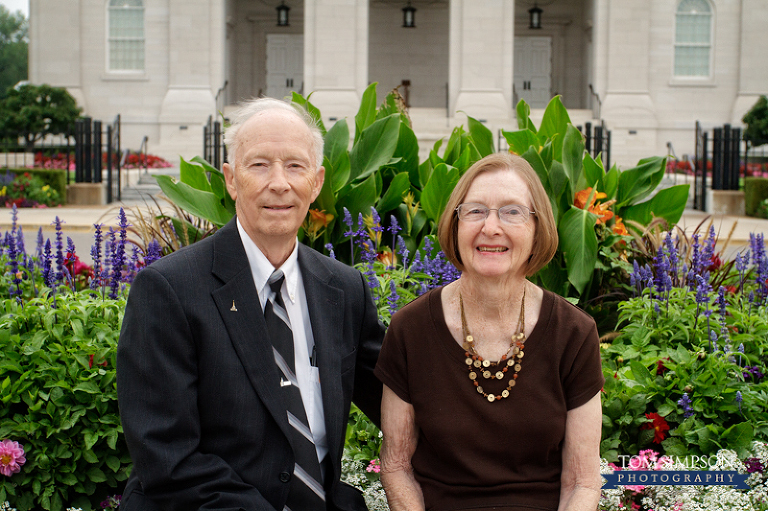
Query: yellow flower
pixel 3 191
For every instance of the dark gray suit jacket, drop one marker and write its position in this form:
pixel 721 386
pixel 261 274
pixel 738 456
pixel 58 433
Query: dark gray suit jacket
pixel 199 390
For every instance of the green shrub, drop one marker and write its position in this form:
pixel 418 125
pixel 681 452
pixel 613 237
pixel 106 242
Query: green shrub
pixel 55 178
pixel 755 191
pixel 59 400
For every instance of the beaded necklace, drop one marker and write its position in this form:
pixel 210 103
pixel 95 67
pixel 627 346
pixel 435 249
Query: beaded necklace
pixel 475 362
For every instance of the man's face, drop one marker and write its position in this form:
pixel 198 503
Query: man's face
pixel 274 179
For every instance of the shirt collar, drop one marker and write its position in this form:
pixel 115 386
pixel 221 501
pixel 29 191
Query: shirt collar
pixel 261 268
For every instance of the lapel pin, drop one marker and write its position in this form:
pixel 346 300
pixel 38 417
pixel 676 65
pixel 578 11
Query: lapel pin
pixel 233 309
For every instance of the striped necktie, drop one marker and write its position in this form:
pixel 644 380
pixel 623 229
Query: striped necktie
pixel 307 493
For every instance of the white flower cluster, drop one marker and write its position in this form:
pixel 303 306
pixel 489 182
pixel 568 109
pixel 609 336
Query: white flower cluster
pixel 6 506
pixel 353 473
pixel 698 498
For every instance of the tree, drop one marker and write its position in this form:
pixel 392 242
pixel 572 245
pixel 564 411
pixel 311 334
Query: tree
pixel 757 123
pixel 13 49
pixel 34 111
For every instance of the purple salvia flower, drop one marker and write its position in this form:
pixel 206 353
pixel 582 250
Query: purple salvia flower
pixel 739 399
pixel 685 403
pixel 674 258
pixel 40 244
pixel 13 256
pixel 741 348
pixel 713 341
pixel 402 250
pixel 697 265
pixel 96 256
pixel 394 227
pixel 118 258
pixel 59 251
pixel 153 253
pixel 329 248
pixel 14 218
pixel 392 298
pixel 347 222
pixel 49 276
pixel 722 303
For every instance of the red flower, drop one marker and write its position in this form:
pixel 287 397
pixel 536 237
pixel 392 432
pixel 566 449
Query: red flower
pixel 658 425
pixel 714 263
pixel 731 289
pixel 660 367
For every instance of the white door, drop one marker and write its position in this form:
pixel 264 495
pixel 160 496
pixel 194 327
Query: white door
pixel 285 64
pixel 533 70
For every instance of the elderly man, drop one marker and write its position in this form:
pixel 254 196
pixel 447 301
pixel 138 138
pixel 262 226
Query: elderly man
pixel 239 356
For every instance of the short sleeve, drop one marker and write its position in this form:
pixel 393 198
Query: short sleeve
pixel 585 377
pixel 392 366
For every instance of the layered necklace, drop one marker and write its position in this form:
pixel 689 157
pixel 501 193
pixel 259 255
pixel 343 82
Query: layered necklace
pixel 479 367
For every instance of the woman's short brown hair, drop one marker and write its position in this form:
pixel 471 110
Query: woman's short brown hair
pixel 545 235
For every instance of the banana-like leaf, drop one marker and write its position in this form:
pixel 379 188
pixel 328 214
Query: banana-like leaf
pixel 558 180
pixel 366 114
pixel 438 189
pixel 555 120
pixel 611 182
pixel 573 154
pixel 337 154
pixel 398 187
pixel 578 242
pixel 520 141
pixel 637 183
pixel 194 176
pixel 375 147
pixel 310 108
pixel 667 204
pixel 524 116
pixel 408 151
pixel 326 200
pixel 197 202
pixel 453 148
pixel 593 173
pixel 359 198
pixel 481 136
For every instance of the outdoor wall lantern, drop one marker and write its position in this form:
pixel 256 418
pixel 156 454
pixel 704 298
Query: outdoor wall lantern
pixel 409 16
pixel 282 15
pixel 535 13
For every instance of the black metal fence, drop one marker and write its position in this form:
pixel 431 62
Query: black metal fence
pixel 53 150
pixel 598 141
pixel 214 150
pixel 718 156
pixel 97 149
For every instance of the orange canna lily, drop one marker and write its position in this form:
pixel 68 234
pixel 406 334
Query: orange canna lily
pixel 581 198
pixel 317 216
pixel 619 227
pixel 387 257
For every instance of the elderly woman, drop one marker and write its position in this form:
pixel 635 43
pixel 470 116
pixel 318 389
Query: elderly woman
pixel 491 397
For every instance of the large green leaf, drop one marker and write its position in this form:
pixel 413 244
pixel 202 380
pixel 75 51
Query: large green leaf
pixel 593 173
pixel 438 189
pixel 375 147
pixel 366 114
pixel 359 198
pixel 573 154
pixel 739 437
pixel 310 108
pixel 637 183
pixel 611 182
pixel 481 136
pixel 520 141
pixel 453 148
pixel 194 176
pixel 425 172
pixel 524 116
pixel 578 243
pixel 532 156
pixel 326 200
pixel 197 202
pixel 337 153
pixel 667 204
pixel 408 151
pixel 218 183
pixel 393 197
pixel 558 180
pixel 555 120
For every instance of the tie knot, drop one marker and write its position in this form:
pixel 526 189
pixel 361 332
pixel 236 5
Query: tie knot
pixel 276 281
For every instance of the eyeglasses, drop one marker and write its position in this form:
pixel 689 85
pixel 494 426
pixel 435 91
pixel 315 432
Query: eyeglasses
pixel 510 214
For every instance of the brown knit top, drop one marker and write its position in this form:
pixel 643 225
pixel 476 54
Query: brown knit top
pixel 472 454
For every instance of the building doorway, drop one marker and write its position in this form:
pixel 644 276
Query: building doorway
pixel 285 64
pixel 533 70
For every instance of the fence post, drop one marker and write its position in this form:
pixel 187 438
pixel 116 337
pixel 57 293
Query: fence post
pixel 217 145
pixel 97 151
pixel 735 148
pixel 588 141
pixel 109 164
pixel 717 159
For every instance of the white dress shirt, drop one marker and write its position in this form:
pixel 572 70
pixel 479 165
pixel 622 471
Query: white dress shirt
pixel 303 340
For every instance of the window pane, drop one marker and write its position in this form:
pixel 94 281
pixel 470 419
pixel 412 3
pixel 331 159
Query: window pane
pixel 126 55
pixel 693 28
pixel 126 23
pixel 126 3
pixel 126 35
pixel 694 6
pixel 691 61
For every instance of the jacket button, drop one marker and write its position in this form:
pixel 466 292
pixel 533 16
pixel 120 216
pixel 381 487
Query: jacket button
pixel 285 477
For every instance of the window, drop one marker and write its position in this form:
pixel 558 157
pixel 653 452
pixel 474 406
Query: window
pixel 693 38
pixel 126 35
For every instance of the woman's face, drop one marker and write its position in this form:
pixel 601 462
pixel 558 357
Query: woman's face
pixel 492 248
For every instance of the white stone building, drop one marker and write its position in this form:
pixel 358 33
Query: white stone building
pixel 648 68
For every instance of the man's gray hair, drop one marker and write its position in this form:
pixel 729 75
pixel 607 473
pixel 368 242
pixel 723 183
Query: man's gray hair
pixel 254 106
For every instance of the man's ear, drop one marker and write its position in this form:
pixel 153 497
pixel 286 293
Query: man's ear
pixel 318 185
pixel 229 176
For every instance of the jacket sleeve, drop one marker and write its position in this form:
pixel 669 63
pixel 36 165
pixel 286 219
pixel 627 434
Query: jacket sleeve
pixel 157 385
pixel 368 388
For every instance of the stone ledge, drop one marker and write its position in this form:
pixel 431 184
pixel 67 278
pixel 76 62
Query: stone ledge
pixel 85 194
pixel 725 202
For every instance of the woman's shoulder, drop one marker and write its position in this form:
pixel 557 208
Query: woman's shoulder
pixel 561 309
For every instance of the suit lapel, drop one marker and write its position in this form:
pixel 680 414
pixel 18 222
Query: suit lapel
pixel 240 309
pixel 326 313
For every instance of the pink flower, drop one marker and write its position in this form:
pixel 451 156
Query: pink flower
pixel 11 457
pixel 373 466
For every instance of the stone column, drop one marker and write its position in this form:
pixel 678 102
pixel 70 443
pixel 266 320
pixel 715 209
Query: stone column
pixel 336 55
pixel 195 71
pixel 753 73
pixel 481 58
pixel 628 108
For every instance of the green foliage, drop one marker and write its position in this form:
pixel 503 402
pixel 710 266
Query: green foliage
pixel 57 371
pixel 589 231
pixel 28 189
pixel 33 111
pixel 14 53
pixel 756 120
pixel 755 192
